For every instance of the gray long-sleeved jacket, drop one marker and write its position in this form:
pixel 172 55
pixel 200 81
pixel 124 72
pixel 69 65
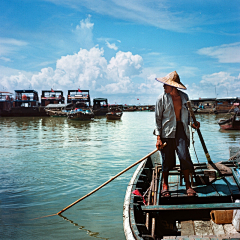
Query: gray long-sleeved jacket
pixel 165 116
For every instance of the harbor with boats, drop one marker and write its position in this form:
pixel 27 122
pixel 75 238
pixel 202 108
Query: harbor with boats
pixel 52 103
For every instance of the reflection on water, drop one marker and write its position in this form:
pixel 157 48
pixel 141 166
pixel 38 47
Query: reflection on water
pixel 49 163
pixel 82 228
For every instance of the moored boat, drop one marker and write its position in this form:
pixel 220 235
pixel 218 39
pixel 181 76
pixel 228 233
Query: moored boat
pixel 232 123
pixel 80 101
pixel 80 114
pixel 115 112
pixel 25 104
pixel 149 215
pixel 114 115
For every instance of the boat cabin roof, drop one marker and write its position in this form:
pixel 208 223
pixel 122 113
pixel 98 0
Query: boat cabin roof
pixel 228 99
pixel 26 91
pixel 77 91
pixel 52 91
pixel 5 93
pixel 100 100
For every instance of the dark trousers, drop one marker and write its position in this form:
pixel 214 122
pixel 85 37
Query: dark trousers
pixel 176 145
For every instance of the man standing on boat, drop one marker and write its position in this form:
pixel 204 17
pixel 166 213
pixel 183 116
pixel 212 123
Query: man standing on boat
pixel 172 120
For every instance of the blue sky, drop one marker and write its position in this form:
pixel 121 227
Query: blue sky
pixel 116 49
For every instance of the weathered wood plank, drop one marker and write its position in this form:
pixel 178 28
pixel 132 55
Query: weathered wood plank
pixel 212 206
pixel 217 228
pixel 187 228
pixel 229 229
pixel 203 228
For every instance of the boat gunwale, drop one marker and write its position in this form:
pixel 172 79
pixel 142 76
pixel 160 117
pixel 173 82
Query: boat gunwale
pixel 128 205
pixel 127 202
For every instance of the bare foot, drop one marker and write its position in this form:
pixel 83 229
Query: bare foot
pixel 191 192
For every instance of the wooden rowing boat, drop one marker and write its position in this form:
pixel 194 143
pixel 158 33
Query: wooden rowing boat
pixel 233 123
pixel 80 114
pixel 114 115
pixel 180 215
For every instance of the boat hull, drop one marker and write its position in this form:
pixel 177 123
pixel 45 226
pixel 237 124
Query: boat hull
pixel 52 113
pixel 24 112
pixel 230 127
pixel 80 116
pixel 114 116
pixel 232 123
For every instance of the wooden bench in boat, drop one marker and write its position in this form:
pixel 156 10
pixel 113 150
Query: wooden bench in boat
pixel 209 206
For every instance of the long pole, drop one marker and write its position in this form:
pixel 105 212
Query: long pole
pixel 104 184
pixel 199 133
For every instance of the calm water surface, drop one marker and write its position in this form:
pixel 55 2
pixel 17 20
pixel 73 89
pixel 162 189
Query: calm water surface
pixel 48 163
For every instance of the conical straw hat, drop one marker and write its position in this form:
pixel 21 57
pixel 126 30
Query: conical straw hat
pixel 172 79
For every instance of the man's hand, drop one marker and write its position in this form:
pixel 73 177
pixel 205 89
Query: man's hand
pixel 196 127
pixel 159 145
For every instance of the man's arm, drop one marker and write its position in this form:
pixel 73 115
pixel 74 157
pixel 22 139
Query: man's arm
pixel 158 120
pixel 158 117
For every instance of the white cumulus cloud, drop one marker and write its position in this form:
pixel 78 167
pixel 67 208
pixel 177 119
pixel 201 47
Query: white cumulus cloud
pixel 85 69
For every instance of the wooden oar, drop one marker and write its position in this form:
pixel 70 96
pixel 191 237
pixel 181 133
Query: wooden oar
pixel 104 184
pixel 201 139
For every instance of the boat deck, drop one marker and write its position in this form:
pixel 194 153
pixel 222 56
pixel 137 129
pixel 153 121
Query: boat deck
pixel 221 188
